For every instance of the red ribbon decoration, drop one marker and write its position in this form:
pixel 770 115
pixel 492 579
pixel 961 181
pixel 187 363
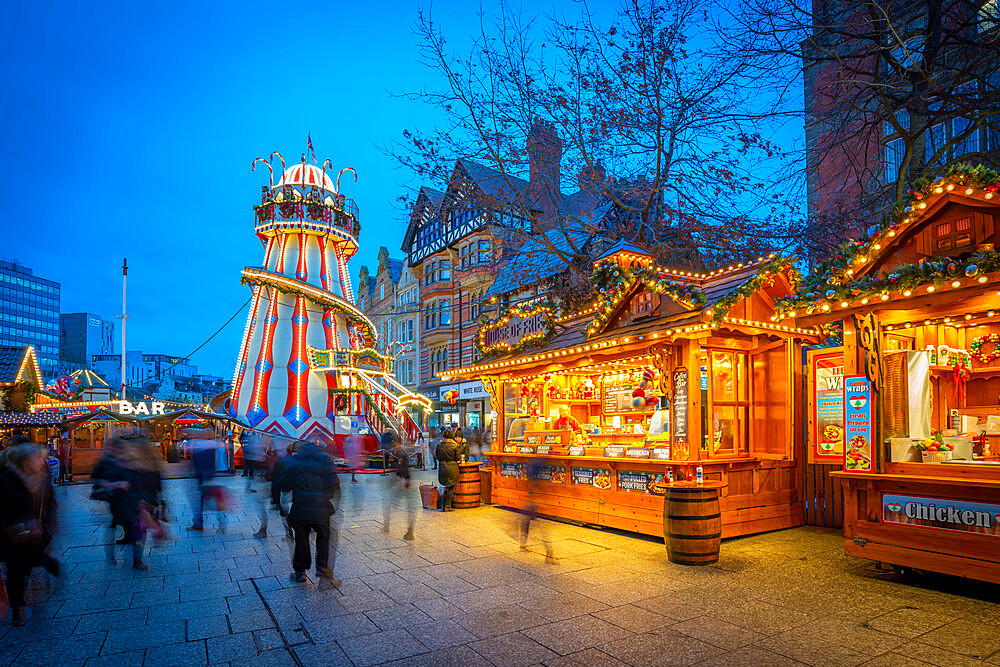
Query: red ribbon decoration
pixel 960 376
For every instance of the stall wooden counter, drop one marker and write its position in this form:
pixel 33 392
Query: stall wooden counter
pixel 913 519
pixel 919 307
pixel 760 495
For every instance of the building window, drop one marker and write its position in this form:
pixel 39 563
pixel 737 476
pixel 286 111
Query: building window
pixel 909 54
pixel 989 15
pixel 475 304
pixel 953 237
pixel 895 146
pixel 643 303
pixel 464 258
pixel 445 317
pixel 409 331
pixel 484 252
pixel 444 270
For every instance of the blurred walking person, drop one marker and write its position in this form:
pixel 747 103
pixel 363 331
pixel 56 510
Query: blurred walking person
pixel 448 456
pixel 282 459
pixel 254 453
pixel 433 440
pixel 28 518
pixel 354 446
pixel 530 513
pixel 311 476
pixel 398 490
pixel 129 479
pixel 476 445
pixel 203 453
pixel 420 447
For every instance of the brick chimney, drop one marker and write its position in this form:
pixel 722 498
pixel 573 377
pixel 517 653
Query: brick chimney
pixel 544 162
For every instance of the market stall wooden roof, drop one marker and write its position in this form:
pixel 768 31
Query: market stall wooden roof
pixel 29 419
pixel 19 363
pixel 937 251
pixel 101 415
pixel 693 305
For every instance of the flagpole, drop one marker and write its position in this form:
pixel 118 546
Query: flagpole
pixel 124 317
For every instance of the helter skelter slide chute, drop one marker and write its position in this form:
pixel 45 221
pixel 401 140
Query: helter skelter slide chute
pixel 308 366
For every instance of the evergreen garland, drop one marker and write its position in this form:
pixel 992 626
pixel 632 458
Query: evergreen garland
pixel 829 280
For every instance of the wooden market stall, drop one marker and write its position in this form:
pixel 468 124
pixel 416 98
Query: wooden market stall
pixel 919 306
pixel 666 372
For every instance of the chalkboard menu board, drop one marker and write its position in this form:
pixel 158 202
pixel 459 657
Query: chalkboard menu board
pixel 532 439
pixel 527 450
pixel 576 450
pixel 661 453
pixel 614 451
pixel 618 398
pixel 510 449
pixel 553 439
pixel 680 405
pixel 543 449
pixel 637 453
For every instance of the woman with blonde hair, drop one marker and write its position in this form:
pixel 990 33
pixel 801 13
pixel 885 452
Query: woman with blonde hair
pixel 28 519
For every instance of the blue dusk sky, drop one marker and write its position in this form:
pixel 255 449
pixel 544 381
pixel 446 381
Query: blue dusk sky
pixel 130 128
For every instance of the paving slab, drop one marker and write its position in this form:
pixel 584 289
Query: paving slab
pixel 464 593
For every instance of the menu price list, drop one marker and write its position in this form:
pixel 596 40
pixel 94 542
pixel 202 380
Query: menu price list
pixel 647 482
pixel 596 477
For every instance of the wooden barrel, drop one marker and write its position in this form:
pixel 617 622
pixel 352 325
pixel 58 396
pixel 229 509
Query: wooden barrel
pixel 467 491
pixel 692 525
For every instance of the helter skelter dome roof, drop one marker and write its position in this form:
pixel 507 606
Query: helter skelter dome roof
pixel 308 175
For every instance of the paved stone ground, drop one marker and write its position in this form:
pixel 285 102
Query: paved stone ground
pixel 464 594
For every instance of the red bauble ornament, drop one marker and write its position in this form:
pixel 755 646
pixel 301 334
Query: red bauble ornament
pixel 651 401
pixel 637 393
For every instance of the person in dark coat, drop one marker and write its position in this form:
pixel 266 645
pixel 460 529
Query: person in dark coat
pixel 398 490
pixel 27 519
pixel 448 456
pixel 130 471
pixel 112 475
pixel 463 444
pixel 311 476
pixel 203 446
pixel 389 443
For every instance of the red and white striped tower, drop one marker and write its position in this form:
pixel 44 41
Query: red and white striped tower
pixel 302 299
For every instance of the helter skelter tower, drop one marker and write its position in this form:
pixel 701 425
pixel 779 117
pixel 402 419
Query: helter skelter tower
pixel 307 366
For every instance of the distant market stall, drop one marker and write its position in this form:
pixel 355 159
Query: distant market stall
pixel 668 376
pixel 919 306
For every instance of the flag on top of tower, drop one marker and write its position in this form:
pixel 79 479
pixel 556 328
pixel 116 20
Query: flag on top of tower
pixel 312 153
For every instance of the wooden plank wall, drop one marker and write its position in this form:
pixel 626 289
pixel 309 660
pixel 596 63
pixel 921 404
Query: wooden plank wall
pixel 823 500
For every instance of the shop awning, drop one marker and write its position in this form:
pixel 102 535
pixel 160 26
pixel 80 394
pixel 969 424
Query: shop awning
pixel 98 416
pixel 190 416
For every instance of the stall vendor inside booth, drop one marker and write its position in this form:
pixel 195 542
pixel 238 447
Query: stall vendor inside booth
pixel 919 309
pixel 667 375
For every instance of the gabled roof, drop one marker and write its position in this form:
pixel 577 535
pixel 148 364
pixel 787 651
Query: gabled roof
pixel 395 270
pixel 427 198
pixel 89 378
pixel 536 260
pixel 493 183
pixel 623 246
pixel 19 363
pixel 720 288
